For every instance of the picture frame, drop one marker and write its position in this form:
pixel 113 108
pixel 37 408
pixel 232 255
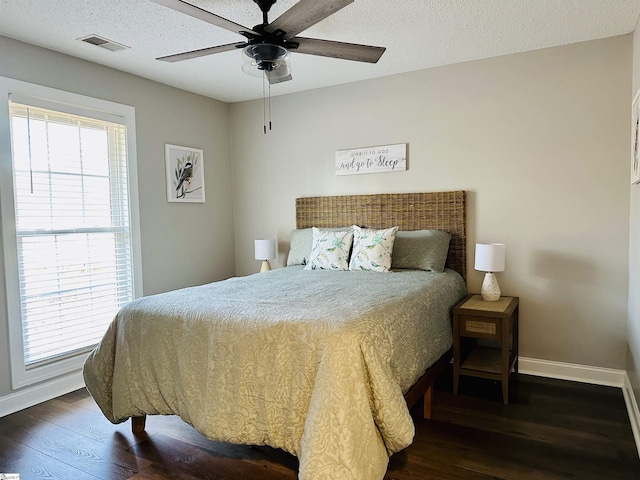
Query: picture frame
pixel 185 174
pixel 635 139
pixel 378 159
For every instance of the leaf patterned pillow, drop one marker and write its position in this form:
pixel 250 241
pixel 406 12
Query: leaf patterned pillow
pixel 330 250
pixel 372 249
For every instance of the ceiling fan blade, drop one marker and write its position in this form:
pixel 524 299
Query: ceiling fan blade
pixel 346 51
pixel 304 14
pixel 202 14
pixel 201 52
pixel 274 80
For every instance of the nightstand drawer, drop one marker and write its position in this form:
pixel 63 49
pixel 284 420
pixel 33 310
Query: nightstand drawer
pixel 480 327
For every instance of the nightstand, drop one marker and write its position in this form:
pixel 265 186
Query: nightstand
pixel 495 322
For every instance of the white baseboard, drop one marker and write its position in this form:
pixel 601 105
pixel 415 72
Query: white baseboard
pixel 571 371
pixel 42 392
pixel 588 374
pixel 632 408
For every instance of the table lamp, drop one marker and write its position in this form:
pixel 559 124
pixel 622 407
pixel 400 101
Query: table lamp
pixel 265 250
pixel 490 259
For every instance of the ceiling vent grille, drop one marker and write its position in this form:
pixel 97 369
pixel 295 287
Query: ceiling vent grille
pixel 103 43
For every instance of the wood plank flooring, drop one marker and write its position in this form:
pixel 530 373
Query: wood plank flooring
pixel 551 429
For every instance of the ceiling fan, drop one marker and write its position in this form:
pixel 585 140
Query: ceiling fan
pixel 268 44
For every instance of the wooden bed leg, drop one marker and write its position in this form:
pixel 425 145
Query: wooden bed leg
pixel 427 402
pixel 137 424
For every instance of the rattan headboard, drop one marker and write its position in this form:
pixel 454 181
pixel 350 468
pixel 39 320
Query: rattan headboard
pixel 409 211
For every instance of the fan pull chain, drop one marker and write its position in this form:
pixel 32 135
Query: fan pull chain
pixel 266 103
pixel 269 106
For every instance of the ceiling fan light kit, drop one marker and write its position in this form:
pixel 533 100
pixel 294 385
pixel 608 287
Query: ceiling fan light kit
pixel 264 58
pixel 265 53
pixel 268 45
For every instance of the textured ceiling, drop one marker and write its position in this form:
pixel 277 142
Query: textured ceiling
pixel 418 34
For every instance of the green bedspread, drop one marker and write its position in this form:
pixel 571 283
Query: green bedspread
pixel 313 362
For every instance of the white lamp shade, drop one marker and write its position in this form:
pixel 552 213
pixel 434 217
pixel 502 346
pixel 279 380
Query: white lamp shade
pixel 265 249
pixel 490 257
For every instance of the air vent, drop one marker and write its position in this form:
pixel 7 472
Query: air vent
pixel 103 43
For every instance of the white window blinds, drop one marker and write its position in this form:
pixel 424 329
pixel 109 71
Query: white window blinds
pixel 72 229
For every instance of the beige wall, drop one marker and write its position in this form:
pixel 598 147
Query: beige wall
pixel 633 321
pixel 182 244
pixel 540 140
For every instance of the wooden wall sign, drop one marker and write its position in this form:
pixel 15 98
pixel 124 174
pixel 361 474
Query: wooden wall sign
pixel 386 158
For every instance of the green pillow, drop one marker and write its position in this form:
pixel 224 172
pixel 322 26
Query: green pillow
pixel 300 246
pixel 301 243
pixel 420 250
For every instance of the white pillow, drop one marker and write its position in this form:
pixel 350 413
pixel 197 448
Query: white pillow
pixel 372 249
pixel 330 250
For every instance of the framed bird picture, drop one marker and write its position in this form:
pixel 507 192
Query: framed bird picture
pixel 185 174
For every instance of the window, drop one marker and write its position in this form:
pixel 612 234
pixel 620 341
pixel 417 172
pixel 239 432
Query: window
pixel 72 249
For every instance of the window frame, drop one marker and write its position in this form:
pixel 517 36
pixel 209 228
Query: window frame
pixel 54 99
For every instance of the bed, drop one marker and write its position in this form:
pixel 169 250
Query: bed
pixel 322 364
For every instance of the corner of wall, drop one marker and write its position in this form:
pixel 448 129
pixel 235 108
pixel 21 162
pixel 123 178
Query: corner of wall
pixel 632 384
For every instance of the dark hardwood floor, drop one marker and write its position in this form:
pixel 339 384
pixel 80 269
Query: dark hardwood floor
pixel 551 429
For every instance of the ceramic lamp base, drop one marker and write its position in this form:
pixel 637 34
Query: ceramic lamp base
pixel 266 266
pixel 490 290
